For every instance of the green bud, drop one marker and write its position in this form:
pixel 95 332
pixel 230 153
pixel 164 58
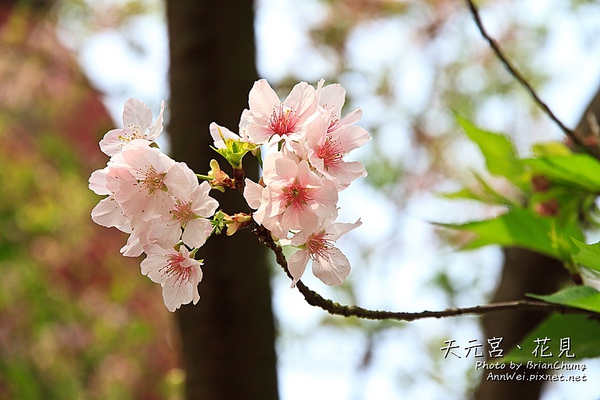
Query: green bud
pixel 234 151
pixel 218 222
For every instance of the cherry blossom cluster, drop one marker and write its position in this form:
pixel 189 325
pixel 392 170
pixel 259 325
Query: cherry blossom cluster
pixel 306 141
pixel 157 201
pixel 169 214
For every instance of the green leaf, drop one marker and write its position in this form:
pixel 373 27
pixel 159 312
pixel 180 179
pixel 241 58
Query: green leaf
pixel 481 191
pixel 575 170
pixel 490 193
pixel 498 151
pixel 524 228
pixel 589 255
pixel 464 193
pixel 582 332
pixel 234 151
pixel 583 297
pixel 551 148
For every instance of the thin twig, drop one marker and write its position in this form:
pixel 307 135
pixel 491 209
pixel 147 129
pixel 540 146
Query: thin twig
pixel 315 299
pixel 519 77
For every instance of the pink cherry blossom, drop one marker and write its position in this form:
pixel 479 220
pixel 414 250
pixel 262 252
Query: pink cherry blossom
pixel 98 181
pixel 137 124
pixel 177 273
pixel 143 188
pixel 136 241
pixel 270 119
pixel 329 264
pixel 166 212
pixel 327 149
pixel 108 212
pixel 253 193
pixel 188 213
pixel 190 207
pixel 331 98
pixel 294 197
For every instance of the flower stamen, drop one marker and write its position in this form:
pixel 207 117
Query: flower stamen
pixel 153 180
pixel 330 152
pixel 175 268
pixel 319 246
pixel 283 121
pixel 296 195
pixel 182 212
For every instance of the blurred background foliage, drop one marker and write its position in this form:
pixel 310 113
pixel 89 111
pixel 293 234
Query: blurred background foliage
pixel 78 321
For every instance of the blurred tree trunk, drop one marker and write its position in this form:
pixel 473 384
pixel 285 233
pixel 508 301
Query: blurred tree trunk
pixel 523 272
pixel 228 337
pixel 526 272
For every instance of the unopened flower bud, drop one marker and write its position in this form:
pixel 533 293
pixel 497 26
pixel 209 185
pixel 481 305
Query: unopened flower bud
pixel 237 222
pixel 220 180
pixel 540 183
pixel 548 208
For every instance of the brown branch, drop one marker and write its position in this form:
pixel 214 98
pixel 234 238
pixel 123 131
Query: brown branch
pixel 239 178
pixel 315 299
pixel 521 79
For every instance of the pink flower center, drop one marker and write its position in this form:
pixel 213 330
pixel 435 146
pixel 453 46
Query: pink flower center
pixel 283 121
pixel 174 267
pixel 319 245
pixel 182 212
pixel 296 195
pixel 330 152
pixel 153 180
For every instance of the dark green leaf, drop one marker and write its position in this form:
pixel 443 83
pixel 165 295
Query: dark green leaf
pixel 583 297
pixel 582 332
pixel 524 228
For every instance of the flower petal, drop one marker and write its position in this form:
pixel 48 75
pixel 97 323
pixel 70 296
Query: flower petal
pixel 196 232
pixel 262 99
pixel 157 127
pixel 297 264
pixel 332 270
pixel 220 134
pixel 253 193
pixel 137 113
pixel 109 213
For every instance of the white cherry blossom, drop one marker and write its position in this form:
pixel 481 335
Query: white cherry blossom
pixel 143 191
pixel 108 212
pixel 137 124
